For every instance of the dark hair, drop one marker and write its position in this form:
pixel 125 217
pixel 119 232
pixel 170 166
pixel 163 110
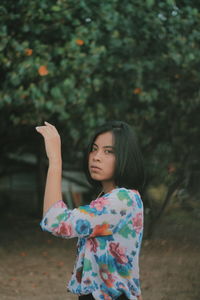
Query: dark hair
pixel 129 170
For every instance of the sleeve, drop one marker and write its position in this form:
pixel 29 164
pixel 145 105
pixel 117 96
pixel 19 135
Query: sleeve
pixel 101 217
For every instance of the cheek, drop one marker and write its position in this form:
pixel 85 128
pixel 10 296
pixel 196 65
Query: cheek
pixel 89 156
pixel 112 164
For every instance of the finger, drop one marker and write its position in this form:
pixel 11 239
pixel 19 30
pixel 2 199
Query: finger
pixel 44 130
pixel 39 129
pixel 48 124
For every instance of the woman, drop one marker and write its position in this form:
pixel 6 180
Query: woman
pixel 110 228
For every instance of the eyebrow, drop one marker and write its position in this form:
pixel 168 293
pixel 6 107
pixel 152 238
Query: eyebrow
pixel 104 146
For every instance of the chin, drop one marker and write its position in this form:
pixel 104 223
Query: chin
pixel 96 177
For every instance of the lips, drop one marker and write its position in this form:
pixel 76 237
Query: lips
pixel 95 168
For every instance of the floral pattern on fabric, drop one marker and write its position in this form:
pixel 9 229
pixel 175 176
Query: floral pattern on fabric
pixel 109 232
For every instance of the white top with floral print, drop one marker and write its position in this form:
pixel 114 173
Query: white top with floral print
pixel 109 232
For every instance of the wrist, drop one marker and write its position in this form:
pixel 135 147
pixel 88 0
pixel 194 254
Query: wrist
pixel 55 162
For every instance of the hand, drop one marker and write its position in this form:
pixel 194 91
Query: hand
pixel 52 141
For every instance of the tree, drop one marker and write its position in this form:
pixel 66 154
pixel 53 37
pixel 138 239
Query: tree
pixel 79 63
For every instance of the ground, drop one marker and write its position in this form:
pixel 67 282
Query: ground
pixel 36 265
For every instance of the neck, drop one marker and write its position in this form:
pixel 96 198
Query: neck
pixel 108 186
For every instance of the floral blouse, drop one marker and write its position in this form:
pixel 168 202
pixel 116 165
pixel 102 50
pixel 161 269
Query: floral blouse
pixel 109 232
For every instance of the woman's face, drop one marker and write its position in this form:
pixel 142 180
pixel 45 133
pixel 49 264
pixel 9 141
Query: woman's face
pixel 102 159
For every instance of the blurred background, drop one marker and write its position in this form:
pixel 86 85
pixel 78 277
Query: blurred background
pixel 77 64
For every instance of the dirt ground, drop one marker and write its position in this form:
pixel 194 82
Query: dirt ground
pixel 36 265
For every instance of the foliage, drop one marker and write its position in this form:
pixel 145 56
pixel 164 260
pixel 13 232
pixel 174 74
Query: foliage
pixel 79 63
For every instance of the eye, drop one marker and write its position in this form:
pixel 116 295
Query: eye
pixel 109 151
pixel 93 149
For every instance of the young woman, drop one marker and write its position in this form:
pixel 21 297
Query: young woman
pixel 110 228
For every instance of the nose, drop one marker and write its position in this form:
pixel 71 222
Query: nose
pixel 97 156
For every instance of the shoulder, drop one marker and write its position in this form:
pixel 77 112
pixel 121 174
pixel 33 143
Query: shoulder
pixel 128 196
pixel 121 191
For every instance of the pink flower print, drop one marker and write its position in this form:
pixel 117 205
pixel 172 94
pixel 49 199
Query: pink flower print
pixel 118 252
pixel 99 203
pixel 92 244
pixel 60 204
pixel 106 297
pixel 138 222
pixel 106 276
pixel 63 229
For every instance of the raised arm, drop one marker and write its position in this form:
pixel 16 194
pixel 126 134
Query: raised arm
pixel 53 188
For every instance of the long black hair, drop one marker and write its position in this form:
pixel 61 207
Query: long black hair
pixel 129 169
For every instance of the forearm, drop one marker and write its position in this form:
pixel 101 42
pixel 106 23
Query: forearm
pixel 53 188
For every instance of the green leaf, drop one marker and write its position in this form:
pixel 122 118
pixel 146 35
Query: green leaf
pixel 124 195
pixel 125 231
pixel 87 266
pixel 56 92
pixel 56 8
pixel 150 2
